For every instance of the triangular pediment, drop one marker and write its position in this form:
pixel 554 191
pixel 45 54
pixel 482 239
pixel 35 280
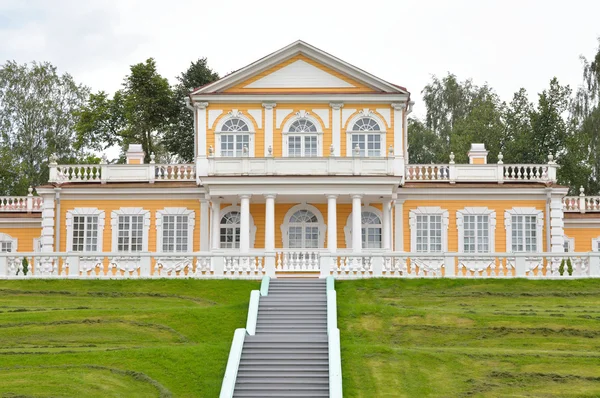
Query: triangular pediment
pixel 300 74
pixel 299 67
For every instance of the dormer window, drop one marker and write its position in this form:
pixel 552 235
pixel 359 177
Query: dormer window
pixel 234 138
pixel 365 137
pixel 303 137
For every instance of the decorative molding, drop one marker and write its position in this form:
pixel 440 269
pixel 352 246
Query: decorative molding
pixel 176 211
pixel 129 211
pixel 286 223
pixel 323 114
pixel 280 115
pixel 269 105
pixel 476 211
pixel 386 115
pixel 336 106
pixel 346 113
pixel 234 114
pixel 213 115
pixel 7 238
pixel 348 226
pixel 200 105
pixel 237 208
pixel 85 211
pixel 422 210
pixel 398 106
pixel 524 211
pixel 257 116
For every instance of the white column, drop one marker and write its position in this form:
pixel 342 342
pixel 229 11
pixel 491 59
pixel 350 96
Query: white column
pixel 270 222
pixel 399 225
pixel 557 234
pixel 386 229
pixel 204 225
pixel 332 223
pixel 201 159
pixel 336 128
pixel 356 224
pixel 245 223
pixel 48 223
pixel 215 222
pixel 398 129
pixel 268 127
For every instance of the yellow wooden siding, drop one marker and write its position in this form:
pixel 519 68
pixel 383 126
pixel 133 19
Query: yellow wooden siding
pixel 24 236
pixel 582 237
pixel 241 87
pixel 454 205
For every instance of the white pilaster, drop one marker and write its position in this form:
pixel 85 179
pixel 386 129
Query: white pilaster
pixel 268 127
pixel 336 127
pixel 204 225
pixel 399 225
pixel 201 159
pixel 386 229
pixel 245 223
pixel 356 224
pixel 270 222
pixel 332 223
pixel 557 234
pixel 48 223
pixel 215 222
pixel 398 129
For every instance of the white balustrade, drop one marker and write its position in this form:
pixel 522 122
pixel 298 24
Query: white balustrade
pixel 21 203
pixel 121 172
pixel 244 266
pixel 77 173
pixel 581 204
pixel 175 172
pixel 352 266
pixel 526 172
pixel 298 260
pixel 428 172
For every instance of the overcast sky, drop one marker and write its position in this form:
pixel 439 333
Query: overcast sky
pixel 508 44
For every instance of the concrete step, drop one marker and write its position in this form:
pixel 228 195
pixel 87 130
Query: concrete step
pixel 292 380
pixel 300 362
pixel 262 369
pixel 288 337
pixel 284 356
pixel 282 394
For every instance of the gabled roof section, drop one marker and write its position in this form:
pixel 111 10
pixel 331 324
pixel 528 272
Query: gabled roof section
pixel 300 67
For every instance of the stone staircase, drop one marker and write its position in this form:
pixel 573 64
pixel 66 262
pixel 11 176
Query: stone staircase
pixel 288 355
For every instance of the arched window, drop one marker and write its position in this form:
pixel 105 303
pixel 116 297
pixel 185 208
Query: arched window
pixel 230 230
pixel 302 136
pixel 367 134
pixel 234 137
pixel 303 231
pixel 371 230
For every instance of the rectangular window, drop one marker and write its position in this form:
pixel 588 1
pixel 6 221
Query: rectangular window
pixel 85 234
pixel 130 232
pixel 476 234
pixel 369 144
pixel 524 233
pixel 175 233
pixel 5 247
pixel 429 233
pixel 232 145
pixel 302 145
pixel 371 238
pixel 230 237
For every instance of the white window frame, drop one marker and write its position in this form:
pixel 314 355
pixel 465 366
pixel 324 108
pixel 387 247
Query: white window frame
pixel 175 211
pixel 37 245
pixel 348 226
pixel 476 211
pixel 285 227
pixel 129 211
pixel 570 244
pixel 349 132
pixel 319 133
pixel 237 208
pixel 426 210
pixel 235 114
pixel 596 244
pixel 83 212
pixel 524 211
pixel 9 239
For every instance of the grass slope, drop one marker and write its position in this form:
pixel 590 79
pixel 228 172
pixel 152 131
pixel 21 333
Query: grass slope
pixel 463 338
pixel 129 338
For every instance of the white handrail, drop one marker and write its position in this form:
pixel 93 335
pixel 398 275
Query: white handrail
pixel 333 337
pixel 233 363
pixel 253 312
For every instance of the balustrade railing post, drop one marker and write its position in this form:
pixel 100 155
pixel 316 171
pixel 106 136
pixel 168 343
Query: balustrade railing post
pixel 73 265
pixel 377 265
pixel 270 264
pixel 551 168
pixel 520 267
pixel 3 267
pixel 452 169
pixel 594 262
pixel 449 266
pixel 30 200
pixel 582 199
pixel 103 170
pixel 218 263
pixel 325 264
pixel 145 266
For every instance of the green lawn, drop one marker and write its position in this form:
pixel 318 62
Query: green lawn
pixel 130 338
pixel 470 338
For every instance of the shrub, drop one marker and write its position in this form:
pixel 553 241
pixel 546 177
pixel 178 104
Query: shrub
pixel 25 264
pixel 569 267
pixel 561 268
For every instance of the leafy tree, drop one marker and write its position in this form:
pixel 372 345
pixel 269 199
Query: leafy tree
pixel 424 146
pixel 179 136
pixel 38 110
pixel 138 113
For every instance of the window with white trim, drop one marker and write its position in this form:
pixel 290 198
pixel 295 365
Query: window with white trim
pixel 370 230
pixel 596 244
pixel 476 229
pixel 428 230
pixel 85 227
pixel 569 244
pixel 302 139
pixel 524 229
pixel 303 230
pixel 366 134
pixel 7 243
pixel 235 138
pixel 230 230
pixel 175 230
pixel 130 227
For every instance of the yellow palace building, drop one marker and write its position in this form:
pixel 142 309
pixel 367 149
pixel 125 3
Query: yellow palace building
pixel 302 168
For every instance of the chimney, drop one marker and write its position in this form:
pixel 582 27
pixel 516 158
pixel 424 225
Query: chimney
pixel 135 154
pixel 478 154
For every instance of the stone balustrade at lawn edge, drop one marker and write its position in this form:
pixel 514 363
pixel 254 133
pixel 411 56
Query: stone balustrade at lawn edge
pixel 343 265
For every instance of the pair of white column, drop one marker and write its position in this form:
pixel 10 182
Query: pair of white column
pixel 244 223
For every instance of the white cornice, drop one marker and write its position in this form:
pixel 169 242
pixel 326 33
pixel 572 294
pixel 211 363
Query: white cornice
pixel 300 47
pixel 21 222
pixel 301 98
